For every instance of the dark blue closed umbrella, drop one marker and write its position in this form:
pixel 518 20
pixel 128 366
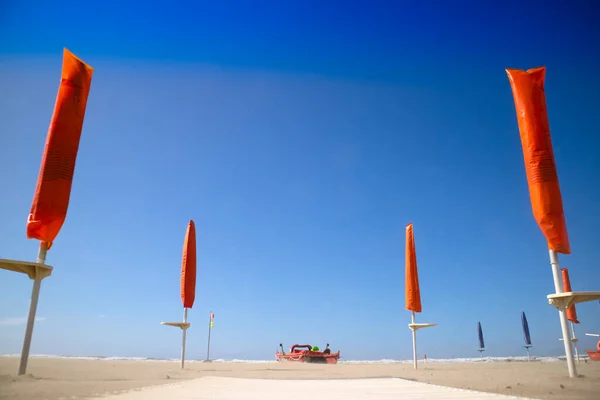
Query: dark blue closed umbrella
pixel 526 330
pixel 526 334
pixel 481 342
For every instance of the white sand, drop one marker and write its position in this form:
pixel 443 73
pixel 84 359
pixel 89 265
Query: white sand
pixel 54 379
pixel 220 388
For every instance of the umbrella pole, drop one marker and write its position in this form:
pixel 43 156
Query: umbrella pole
pixel 185 310
pixel 35 294
pixel 528 356
pixel 575 340
pixel 414 338
pixel 562 313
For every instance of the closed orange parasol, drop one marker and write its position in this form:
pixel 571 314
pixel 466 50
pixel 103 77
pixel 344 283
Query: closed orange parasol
pixel 571 311
pixel 53 190
pixel 51 199
pixel 188 283
pixel 188 267
pixel 544 190
pixel 412 290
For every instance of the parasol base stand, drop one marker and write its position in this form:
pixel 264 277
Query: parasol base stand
pixel 207 361
pixel 416 327
pixel 36 271
pixel 568 299
pixel 31 269
pixel 181 325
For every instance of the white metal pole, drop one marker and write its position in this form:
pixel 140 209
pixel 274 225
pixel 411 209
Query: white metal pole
pixel 414 337
pixel 575 341
pixel 185 310
pixel 528 356
pixel 562 313
pixel 35 294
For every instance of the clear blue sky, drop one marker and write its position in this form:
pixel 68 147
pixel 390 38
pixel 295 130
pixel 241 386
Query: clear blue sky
pixel 301 136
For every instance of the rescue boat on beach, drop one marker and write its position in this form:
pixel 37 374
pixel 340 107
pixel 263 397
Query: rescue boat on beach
pixel 304 353
pixel 594 355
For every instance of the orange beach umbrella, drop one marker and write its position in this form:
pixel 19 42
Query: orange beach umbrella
pixel 53 189
pixel 412 290
pixel 187 284
pixel 188 267
pixel 571 311
pixel 542 178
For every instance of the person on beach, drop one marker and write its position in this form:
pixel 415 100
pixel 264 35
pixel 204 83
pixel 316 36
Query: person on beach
pixel 327 349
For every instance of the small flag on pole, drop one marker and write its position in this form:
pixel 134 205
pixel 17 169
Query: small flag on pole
pixel 211 324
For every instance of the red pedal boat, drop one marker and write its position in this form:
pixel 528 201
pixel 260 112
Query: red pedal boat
pixel 304 353
pixel 594 355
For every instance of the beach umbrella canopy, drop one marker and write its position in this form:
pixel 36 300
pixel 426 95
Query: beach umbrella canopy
pixel 53 190
pixel 542 178
pixel 188 267
pixel 480 335
pixel 412 290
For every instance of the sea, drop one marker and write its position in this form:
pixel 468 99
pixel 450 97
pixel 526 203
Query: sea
pixel 382 361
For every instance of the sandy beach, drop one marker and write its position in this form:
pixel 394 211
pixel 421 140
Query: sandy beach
pixel 56 378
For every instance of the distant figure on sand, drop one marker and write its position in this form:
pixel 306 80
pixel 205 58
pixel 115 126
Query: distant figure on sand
pixel 327 349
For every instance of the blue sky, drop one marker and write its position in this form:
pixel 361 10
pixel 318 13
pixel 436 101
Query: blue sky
pixel 301 137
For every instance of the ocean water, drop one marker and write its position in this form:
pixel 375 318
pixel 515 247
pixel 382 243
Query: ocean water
pixel 383 361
